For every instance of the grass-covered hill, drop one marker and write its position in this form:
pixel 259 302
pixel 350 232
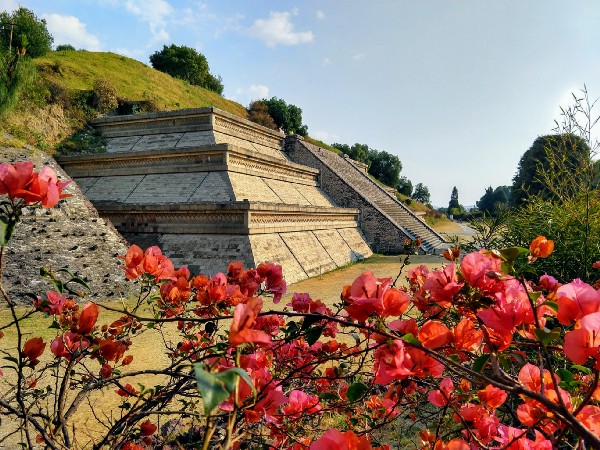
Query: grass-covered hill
pixel 59 100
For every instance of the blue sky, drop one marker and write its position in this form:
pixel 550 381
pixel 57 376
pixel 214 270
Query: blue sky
pixel 458 90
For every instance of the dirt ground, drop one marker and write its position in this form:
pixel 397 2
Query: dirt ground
pixel 328 287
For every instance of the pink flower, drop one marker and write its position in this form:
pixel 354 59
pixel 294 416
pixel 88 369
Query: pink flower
pixel 575 300
pixel 242 330
pixel 336 440
pixel 15 177
pixel 301 403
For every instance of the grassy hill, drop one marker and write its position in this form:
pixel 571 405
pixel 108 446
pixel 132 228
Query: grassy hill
pixel 77 70
pixel 53 106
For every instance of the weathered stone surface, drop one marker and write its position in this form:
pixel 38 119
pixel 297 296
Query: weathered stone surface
pixel 70 235
pixel 309 252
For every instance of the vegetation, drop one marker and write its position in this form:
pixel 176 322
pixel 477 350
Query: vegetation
pixel 472 354
pixel 186 64
pixel 405 186
pixel 65 48
pixel 562 155
pixel 22 32
pixel 287 117
pixel 494 201
pixel 421 193
pixel 258 112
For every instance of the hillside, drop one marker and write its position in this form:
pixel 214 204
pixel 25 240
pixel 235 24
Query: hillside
pixel 56 105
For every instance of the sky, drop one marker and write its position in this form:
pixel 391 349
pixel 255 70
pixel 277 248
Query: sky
pixel 457 89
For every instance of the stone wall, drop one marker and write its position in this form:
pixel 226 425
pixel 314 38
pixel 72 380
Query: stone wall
pixel 70 235
pixel 381 233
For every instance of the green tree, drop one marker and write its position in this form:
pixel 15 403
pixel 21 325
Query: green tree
pixel 421 193
pixel 556 156
pixel 385 167
pixel 259 113
pixel 65 48
pixel 288 117
pixel 405 186
pixel 186 64
pixel 493 201
pixel 358 152
pixel 16 73
pixel 22 30
pixel 453 203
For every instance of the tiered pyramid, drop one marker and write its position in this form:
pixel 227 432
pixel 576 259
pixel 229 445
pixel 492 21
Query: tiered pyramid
pixel 210 188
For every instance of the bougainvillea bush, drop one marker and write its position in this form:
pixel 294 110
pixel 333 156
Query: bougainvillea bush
pixel 470 355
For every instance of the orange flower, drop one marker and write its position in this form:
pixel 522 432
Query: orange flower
pixel 33 349
pixel 241 330
pixel 541 248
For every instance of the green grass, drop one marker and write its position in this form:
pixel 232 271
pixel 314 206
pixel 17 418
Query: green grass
pixel 133 80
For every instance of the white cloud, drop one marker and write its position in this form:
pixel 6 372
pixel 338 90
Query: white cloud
pixel 358 56
pixel 325 136
pixel 252 92
pixel 279 29
pixel 326 61
pixel 155 13
pixel 69 30
pixel 320 15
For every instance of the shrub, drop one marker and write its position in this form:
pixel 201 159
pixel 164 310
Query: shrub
pixel 471 353
pixel 29 34
pixel 65 48
pixel 105 96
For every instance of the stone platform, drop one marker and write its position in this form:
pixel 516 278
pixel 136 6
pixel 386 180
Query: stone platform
pixel 210 188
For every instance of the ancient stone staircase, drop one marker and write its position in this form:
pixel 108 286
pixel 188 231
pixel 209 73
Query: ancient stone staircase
pixel 370 193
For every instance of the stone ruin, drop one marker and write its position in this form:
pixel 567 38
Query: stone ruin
pixel 208 188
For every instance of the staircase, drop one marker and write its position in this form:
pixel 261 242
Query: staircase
pixel 411 225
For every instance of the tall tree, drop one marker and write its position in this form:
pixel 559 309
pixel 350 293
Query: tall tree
pixel 421 193
pixel 186 64
pixel 385 167
pixel 551 160
pixel 405 186
pixel 23 31
pixel 454 203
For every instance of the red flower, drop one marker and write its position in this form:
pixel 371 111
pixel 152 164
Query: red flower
pixel 88 318
pixel 148 428
pixel 126 391
pixel 301 403
pixel 15 177
pixel 492 396
pixel 241 330
pixel 336 440
pixel 33 349
pixel 45 188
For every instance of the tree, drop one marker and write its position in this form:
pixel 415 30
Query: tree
pixel 187 64
pixel 405 186
pixel 65 48
pixel 259 113
pixel 557 157
pixel 421 193
pixel 385 167
pixel 453 199
pixel 287 117
pixel 23 30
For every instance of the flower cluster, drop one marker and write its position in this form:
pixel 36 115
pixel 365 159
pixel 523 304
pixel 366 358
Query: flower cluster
pixel 19 180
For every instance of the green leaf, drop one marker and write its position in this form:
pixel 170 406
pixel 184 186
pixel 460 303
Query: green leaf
pixel 313 335
pixel 534 296
pixel 11 359
pixel 80 282
pixel 356 391
pixel 410 339
pixel 455 358
pixel 4 231
pixel 54 324
pixel 552 305
pixel 308 321
pixel 212 389
pixel 582 369
pixel 480 362
pixel 512 253
pixel 328 396
pixel 215 388
pixel 565 375
pixel 545 337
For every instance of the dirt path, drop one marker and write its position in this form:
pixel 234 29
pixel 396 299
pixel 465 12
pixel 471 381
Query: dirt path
pixel 328 287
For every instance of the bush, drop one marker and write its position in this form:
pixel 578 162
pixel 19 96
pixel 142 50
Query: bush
pixel 65 48
pixel 471 353
pixel 186 64
pixel 105 96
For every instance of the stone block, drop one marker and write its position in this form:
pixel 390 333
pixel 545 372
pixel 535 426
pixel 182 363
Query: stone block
pixel 252 188
pixel 196 139
pixel 335 246
pixel 157 141
pixel 113 189
pixel 166 188
pixel 271 248
pixel 214 188
pixel 309 252
pixel 122 144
